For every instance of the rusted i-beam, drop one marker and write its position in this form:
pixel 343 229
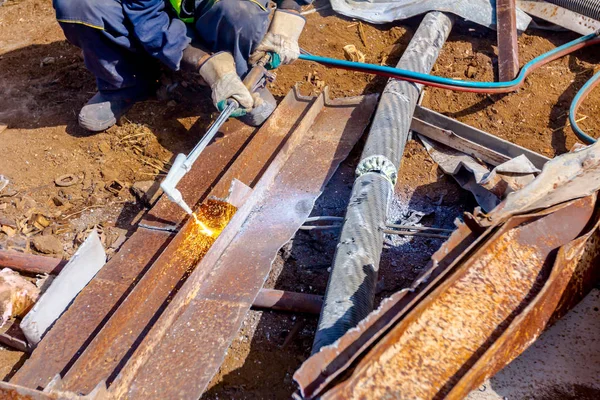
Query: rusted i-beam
pixel 205 315
pixel 109 347
pixel 92 308
pixel 504 289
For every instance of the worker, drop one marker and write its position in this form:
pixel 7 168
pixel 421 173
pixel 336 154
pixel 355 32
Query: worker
pixel 123 41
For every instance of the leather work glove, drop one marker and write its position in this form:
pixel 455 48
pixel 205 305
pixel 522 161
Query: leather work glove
pixel 281 40
pixel 219 73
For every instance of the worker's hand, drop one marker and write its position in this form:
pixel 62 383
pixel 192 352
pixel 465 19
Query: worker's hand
pixel 220 74
pixel 281 40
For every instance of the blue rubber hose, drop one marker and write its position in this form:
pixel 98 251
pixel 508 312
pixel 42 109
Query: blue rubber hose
pixel 579 98
pixel 480 87
pixel 456 84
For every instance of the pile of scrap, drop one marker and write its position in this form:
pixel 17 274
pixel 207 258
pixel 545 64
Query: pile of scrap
pixel 184 290
pixel 157 319
pixel 487 294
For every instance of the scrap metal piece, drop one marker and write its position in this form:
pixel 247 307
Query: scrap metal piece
pixel 82 267
pixel 31 263
pixel 436 349
pixel 488 187
pixel 470 140
pixel 560 16
pixel 204 316
pixel 481 12
pixel 288 301
pixel 107 351
pixel 508 46
pixel 95 304
pixel 570 176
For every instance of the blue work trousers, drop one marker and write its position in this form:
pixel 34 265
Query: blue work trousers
pixel 121 39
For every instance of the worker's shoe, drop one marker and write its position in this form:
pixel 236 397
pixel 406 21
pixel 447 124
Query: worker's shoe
pixel 104 109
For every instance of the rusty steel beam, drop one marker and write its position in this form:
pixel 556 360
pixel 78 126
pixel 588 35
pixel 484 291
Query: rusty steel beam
pixel 30 263
pixel 328 364
pixel 142 307
pixel 508 45
pixel 199 324
pixel 288 301
pixel 489 308
pixel 94 305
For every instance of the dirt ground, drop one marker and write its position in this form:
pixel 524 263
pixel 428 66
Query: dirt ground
pixel 44 83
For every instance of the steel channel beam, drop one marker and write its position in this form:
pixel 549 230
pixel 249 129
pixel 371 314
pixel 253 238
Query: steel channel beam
pixel 132 320
pixel 497 284
pixel 508 45
pixel 186 346
pixel 424 117
pixel 324 367
pixel 95 304
pixel 351 287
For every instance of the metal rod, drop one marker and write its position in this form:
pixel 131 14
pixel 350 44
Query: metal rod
pixel 351 287
pixel 388 231
pixel 232 105
pixel 31 263
pixel 288 301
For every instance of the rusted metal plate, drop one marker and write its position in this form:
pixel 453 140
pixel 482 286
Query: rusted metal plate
pixel 508 46
pixel 188 343
pixel 575 272
pixel 61 346
pixel 441 339
pixel 107 352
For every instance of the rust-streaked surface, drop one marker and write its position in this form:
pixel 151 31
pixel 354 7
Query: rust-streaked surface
pixel 86 315
pixel 92 308
pixel 508 46
pixel 440 342
pixel 147 300
pixel 574 273
pixel 108 351
pixel 322 368
pixel 188 343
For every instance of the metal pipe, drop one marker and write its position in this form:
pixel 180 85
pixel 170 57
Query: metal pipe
pixel 30 263
pixel 588 8
pixel 351 287
pixel 288 301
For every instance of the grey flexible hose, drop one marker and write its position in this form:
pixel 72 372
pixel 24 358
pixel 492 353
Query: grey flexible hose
pixel 351 288
pixel 589 8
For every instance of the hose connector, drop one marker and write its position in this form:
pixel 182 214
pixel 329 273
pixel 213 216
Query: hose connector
pixel 380 164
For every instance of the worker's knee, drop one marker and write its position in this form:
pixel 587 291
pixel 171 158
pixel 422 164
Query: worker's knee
pixel 92 13
pixel 228 23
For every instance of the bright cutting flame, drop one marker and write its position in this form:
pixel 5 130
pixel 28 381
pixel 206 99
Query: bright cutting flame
pixel 204 229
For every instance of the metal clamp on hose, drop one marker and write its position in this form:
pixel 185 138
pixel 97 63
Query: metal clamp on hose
pixel 379 164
